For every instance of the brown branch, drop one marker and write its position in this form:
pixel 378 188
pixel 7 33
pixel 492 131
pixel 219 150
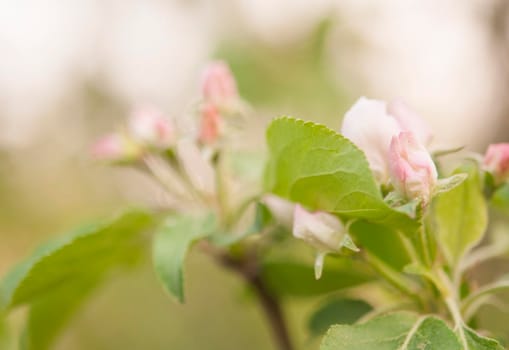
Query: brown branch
pixel 248 268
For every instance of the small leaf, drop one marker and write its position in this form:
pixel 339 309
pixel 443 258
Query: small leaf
pixel 478 342
pixel 398 331
pixel 291 278
pixel 447 184
pixel 412 209
pixel 317 167
pixel 472 301
pixel 348 243
pixel 337 311
pixel 172 241
pixel 445 152
pixel 320 257
pixel 461 216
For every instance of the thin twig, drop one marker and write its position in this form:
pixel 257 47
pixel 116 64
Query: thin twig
pixel 248 268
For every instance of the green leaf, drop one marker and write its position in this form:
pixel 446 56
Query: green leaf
pixel 49 313
pixel 58 276
pixel 172 241
pixel 383 242
pixel 291 278
pixel 321 169
pixel 447 184
pixel 87 251
pixel 474 300
pixel 337 311
pixel 398 331
pixel 500 198
pixel 461 216
pixel 478 342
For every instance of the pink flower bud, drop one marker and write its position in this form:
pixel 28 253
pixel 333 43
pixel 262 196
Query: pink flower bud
pixel 371 125
pixel 150 127
pixel 219 86
pixel 112 147
pixel 322 230
pixel 496 161
pixel 413 173
pixel 210 124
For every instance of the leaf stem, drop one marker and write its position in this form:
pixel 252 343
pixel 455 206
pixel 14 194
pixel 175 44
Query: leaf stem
pixel 452 305
pixel 222 187
pixel 451 300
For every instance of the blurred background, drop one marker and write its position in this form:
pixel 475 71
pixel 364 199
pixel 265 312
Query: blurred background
pixel 70 70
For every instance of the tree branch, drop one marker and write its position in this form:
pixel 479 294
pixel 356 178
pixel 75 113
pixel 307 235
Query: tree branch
pixel 248 268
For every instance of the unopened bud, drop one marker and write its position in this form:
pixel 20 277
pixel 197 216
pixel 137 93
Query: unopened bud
pixel 150 127
pixel 413 173
pixel 496 161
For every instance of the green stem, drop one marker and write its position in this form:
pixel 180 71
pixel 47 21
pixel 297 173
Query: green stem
pixel 222 188
pixel 451 299
pixel 392 276
pixel 422 244
pixel 459 324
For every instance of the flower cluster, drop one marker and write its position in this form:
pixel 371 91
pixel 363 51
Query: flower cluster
pixel 152 139
pixel 395 142
pixel 220 99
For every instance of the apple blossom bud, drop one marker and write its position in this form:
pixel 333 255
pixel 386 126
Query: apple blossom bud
pixel 408 120
pixel 413 173
pixel 150 127
pixel 370 128
pixel 114 148
pixel 322 230
pixel 496 161
pixel 210 124
pixel 281 209
pixel 371 125
pixel 219 86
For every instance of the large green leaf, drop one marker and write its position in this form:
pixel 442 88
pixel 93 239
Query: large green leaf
pixel 313 165
pixel 58 276
pixel 337 311
pixel 49 313
pixel 172 241
pixel 297 279
pixel 383 242
pixel 398 331
pixel 87 251
pixel 461 216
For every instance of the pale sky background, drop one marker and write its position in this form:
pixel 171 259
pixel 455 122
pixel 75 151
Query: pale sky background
pixel 433 54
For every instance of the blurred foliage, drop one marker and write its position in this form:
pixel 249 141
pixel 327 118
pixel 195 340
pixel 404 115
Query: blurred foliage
pixel 294 80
